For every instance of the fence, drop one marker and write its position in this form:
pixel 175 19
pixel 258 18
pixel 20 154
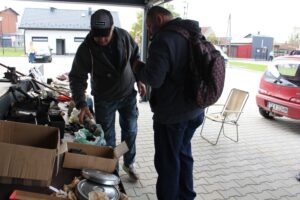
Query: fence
pixel 12 40
pixel 12 44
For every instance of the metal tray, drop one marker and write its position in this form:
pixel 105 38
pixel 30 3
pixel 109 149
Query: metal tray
pixel 100 177
pixel 84 187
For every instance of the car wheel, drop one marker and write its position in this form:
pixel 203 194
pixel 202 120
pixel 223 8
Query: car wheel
pixel 265 114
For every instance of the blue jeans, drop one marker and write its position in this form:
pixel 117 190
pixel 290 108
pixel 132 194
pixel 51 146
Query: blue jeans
pixel 105 112
pixel 173 159
pixel 31 57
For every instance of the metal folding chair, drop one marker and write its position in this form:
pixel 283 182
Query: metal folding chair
pixel 230 113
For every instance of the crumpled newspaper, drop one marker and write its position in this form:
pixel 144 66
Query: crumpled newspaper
pixel 96 195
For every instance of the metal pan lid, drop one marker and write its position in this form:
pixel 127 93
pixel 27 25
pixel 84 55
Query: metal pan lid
pixel 100 177
pixel 84 187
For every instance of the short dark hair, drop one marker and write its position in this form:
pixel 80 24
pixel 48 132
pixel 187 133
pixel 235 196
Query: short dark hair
pixel 156 10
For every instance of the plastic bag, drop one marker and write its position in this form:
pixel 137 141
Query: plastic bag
pixel 83 136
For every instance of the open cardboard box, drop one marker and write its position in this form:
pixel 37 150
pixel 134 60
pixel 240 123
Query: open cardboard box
pixel 97 157
pixel 27 153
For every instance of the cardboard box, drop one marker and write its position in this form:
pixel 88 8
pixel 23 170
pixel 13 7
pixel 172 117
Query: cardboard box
pixel 27 153
pixel 23 195
pixel 97 157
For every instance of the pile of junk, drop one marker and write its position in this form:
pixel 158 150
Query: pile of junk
pixel 34 100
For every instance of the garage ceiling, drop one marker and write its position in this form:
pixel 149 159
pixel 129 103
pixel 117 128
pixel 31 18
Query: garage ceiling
pixel 139 3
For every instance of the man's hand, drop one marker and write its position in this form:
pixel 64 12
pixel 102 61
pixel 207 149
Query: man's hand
pixel 84 112
pixel 141 88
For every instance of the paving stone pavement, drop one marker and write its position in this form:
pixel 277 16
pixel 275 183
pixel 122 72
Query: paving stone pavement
pixel 262 165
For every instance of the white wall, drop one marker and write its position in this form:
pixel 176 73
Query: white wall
pixel 68 36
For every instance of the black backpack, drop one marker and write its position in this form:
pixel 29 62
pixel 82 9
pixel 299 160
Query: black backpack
pixel 206 75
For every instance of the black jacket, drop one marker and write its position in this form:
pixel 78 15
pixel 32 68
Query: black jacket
pixel 165 69
pixel 108 82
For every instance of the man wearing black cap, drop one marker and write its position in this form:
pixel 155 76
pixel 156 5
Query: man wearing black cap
pixel 107 54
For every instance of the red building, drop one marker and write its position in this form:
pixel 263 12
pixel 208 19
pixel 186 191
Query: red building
pixel 8 22
pixel 252 46
pixel 241 48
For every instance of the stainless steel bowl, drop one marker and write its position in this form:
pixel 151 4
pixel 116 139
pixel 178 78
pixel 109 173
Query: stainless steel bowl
pixel 84 187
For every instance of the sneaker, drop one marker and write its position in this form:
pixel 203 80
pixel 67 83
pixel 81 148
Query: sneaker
pixel 131 171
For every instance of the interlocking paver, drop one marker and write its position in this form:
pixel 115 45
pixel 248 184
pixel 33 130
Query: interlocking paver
pixel 213 187
pixel 248 189
pixel 263 195
pixel 232 192
pixel 244 182
pixel 210 196
pixel 149 189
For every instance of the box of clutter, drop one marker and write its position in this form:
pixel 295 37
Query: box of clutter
pixel 28 153
pixel 81 156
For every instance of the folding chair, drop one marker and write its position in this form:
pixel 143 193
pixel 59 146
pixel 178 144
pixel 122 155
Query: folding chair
pixel 230 113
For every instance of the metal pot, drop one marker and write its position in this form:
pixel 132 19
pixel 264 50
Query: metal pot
pixel 84 187
pixel 100 177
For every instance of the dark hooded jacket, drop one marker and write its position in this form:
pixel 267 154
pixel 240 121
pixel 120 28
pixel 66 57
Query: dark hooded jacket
pixel 165 71
pixel 111 74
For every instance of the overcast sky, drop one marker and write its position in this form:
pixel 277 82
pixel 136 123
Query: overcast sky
pixel 275 18
pixel 127 14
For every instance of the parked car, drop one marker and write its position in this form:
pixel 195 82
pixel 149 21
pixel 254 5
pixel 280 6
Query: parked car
pixel 295 52
pixel 279 89
pixel 43 55
pixel 222 53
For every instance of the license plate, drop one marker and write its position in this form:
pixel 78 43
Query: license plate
pixel 38 57
pixel 280 108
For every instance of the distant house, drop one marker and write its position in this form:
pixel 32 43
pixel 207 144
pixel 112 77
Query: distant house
pixel 281 49
pixel 9 19
pixel 8 27
pixel 251 46
pixel 62 30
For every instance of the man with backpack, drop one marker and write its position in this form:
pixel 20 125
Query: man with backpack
pixel 175 117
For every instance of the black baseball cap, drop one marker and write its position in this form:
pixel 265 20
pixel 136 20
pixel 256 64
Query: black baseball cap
pixel 101 23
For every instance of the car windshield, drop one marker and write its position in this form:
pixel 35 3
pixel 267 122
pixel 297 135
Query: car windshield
pixel 43 51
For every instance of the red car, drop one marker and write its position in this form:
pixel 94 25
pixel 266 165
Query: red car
pixel 279 89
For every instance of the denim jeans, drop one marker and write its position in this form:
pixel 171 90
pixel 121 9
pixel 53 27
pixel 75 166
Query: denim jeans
pixel 105 112
pixel 173 159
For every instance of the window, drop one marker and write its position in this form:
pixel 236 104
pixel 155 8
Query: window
pixel 78 39
pixel 39 39
pixel 288 69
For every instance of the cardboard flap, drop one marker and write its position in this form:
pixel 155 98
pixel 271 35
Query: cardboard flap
pixel 24 195
pixel 103 151
pixel 77 161
pixel 62 148
pixel 36 135
pixel 120 149
pixel 26 162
